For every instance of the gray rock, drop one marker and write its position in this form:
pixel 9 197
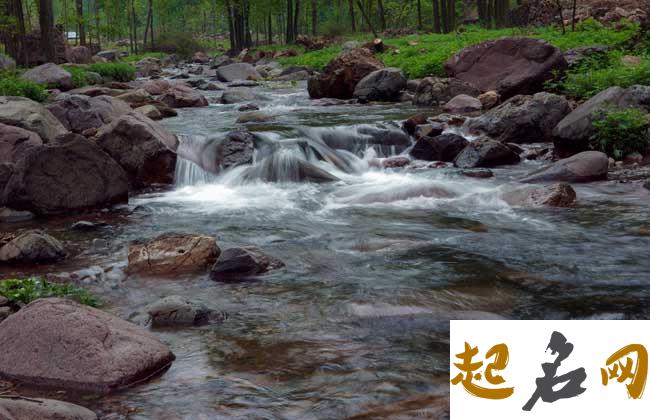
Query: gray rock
pixel 18 408
pixel 461 104
pixel 181 96
pixel 237 71
pixel 255 117
pixel 87 349
pixel 108 55
pixel 32 247
pixel 51 76
pixel 433 91
pixel 582 167
pixel 149 66
pixel 485 153
pixel 174 311
pixel 79 113
pixel 30 115
pixel 555 195
pixel 7 63
pixel 15 141
pixel 239 94
pixel 245 262
pixel 79 54
pixel 443 148
pixel 381 85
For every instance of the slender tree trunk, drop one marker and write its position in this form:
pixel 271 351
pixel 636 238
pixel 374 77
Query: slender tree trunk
pixel 290 22
pixel 443 16
pixel 46 22
pixel 573 16
pixel 269 38
pixel 146 28
pixel 490 12
pixel 451 15
pixel 81 25
pixel 314 17
pixel 296 15
pixel 367 19
pixel 419 7
pixel 135 29
pixel 382 15
pixel 353 20
pixel 561 11
pixel 231 25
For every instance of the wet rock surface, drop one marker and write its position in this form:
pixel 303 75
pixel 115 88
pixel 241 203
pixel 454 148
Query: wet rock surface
pixel 30 115
pixel 33 247
pixel 582 167
pixel 242 263
pixel 485 153
pixel 341 75
pixel 22 408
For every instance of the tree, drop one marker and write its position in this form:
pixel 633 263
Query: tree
pixel 314 17
pixel 81 27
pixel 436 16
pixel 46 22
pixel 351 14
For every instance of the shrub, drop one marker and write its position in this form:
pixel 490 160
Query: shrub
pixel 619 133
pixel 120 72
pixel 79 78
pixel 180 43
pixel 11 84
pixel 23 291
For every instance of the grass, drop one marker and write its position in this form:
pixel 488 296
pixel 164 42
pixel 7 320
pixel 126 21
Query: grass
pixel 118 71
pixel 12 84
pixel 134 58
pixel 79 78
pixel 425 55
pixel 23 291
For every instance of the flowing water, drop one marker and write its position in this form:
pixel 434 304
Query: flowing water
pixel 377 263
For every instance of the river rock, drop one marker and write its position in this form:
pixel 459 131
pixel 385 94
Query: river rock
pixel 489 99
pixel 176 311
pixel 293 77
pixel 182 96
pixel 87 350
pixel 96 91
pixel 142 147
pixel 385 140
pixel 200 57
pixel 582 167
pixel 522 119
pixel 173 253
pixel 461 104
pixel 149 66
pixel 223 60
pixel 510 66
pixel 341 75
pixel 30 115
pixel 410 124
pixel 70 174
pixel 480 173
pixel 380 85
pixel 223 152
pixel 15 141
pixel 108 55
pixel 136 98
pixel 79 113
pixel 7 63
pixel 555 195
pixel 243 262
pixel 238 94
pixel 156 87
pixel 19 408
pixel 442 148
pixel 237 71
pixel 485 153
pixel 434 91
pixel 573 132
pixel 79 54
pixel 255 117
pixel 150 111
pixel 51 76
pixel 32 247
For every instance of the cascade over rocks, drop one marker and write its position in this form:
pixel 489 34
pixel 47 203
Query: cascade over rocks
pixel 384 139
pixel 221 153
pixel 182 96
pixel 341 75
pixel 50 75
pixel 486 153
pixel 582 167
pixel 245 262
pixel 510 66
pixel 237 71
pixel 522 119
pixel 142 147
pixel 15 141
pixel 283 167
pixel 173 253
pixel 30 115
pixel 87 349
pixel 554 195
pixel 573 132
pixel 79 113
pixel 70 174
pixel 381 85
pixel 444 147
pixel 434 91
pixel 42 409
pixel 32 247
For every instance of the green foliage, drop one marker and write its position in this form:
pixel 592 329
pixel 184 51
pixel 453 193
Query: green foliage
pixel 11 84
pixel 619 133
pixel 120 72
pixel 134 58
pixel 79 78
pixel 181 43
pixel 23 291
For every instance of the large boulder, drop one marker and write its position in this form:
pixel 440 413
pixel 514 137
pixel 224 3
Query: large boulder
pixel 341 75
pixel 79 113
pixel 156 86
pixel 486 153
pixel 555 195
pixel 522 119
pixel 182 96
pixel 79 54
pixel 461 104
pixel 7 63
pixel 242 263
pixel 136 98
pixel 176 311
pixel 235 95
pixel 582 167
pixel 51 76
pixel 200 57
pixel 434 91
pixel 25 113
pixel 221 153
pixel 237 71
pixel 381 85
pixel 56 343
pixel 142 147
pixel 510 66
pixel 32 247
pixel 15 141
pixel 42 409
pixel 70 174
pixel 173 253
pixel 573 132
pixel 444 147
pixel 149 66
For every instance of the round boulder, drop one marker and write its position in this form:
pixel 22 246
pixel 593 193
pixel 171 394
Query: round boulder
pixel 42 409
pixel 244 262
pixel 33 247
pixel 50 75
pixel 237 71
pixel 434 91
pixel 380 85
pixel 485 153
pixel 182 96
pixel 14 142
pixel 555 195
pixel 461 104
pixel 444 147
pixel 583 167
pixel 79 113
pixel 341 75
pixel 25 113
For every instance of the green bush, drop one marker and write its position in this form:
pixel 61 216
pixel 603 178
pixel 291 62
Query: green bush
pixel 79 78
pixel 120 72
pixel 11 84
pixel 181 43
pixel 23 291
pixel 619 133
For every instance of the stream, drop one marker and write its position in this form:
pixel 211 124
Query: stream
pixel 377 264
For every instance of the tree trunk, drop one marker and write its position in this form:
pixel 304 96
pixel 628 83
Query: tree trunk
pixel 561 11
pixel 81 32
pixel 419 7
pixel 314 17
pixel 573 16
pixel 46 22
pixel 382 15
pixel 269 37
pixel 451 15
pixel 436 16
pixel 146 28
pixel 353 21
pixel 290 22
pixel 365 17
pixel 443 16
pixel 296 14
pixel 135 29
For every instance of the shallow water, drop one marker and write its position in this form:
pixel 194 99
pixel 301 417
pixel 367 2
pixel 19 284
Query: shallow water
pixel 375 269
